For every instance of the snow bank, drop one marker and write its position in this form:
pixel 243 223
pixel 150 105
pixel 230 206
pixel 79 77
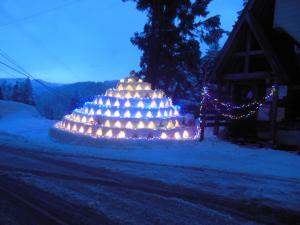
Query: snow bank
pixel 21 126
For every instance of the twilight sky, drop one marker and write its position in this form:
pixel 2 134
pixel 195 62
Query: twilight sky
pixel 79 40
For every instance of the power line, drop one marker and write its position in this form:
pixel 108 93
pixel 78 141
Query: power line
pixel 23 72
pixel 40 13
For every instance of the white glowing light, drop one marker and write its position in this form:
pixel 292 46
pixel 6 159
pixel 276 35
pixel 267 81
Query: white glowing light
pixel 153 104
pixel 121 134
pixel 107 113
pixel 129 88
pixel 109 133
pixel 141 104
pixel 118 124
pixel 138 88
pixel 151 125
pixel 138 115
pixel 129 125
pixel 177 124
pixel 90 131
pixel 81 129
pixel 99 132
pixel 107 123
pixel 137 95
pixel 147 88
pixel 170 125
pixel 86 110
pixel 127 103
pixel 117 103
pixel 158 114
pixel 140 81
pixel 170 113
pixel 91 120
pixel 130 80
pixel 92 112
pixel 163 135
pixel 177 135
pixel 100 101
pixel 122 80
pixel 127 114
pixel 161 104
pixel 74 127
pixel 77 119
pixel 128 95
pixel 118 95
pixel 154 95
pixel 141 125
pixel 185 134
pixel 69 126
pixel 176 113
pixel 166 113
pixel 95 101
pixel 149 114
pixel 117 114
pixel 99 112
pixel 120 87
pixel 84 120
pixel 107 102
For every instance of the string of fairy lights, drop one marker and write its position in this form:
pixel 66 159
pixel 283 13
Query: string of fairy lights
pixel 233 111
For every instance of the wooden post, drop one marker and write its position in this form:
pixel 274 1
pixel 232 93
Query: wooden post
pixel 274 114
pixel 203 116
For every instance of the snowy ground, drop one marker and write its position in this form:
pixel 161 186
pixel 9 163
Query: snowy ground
pixel 128 179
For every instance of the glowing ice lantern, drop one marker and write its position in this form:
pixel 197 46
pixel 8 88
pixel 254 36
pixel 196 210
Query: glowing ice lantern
pixel 86 110
pixel 138 115
pixel 154 95
pixel 153 104
pixel 185 134
pixel 149 114
pixel 161 104
pixel 121 134
pixel 130 80
pixel 92 112
pixel 176 113
pixel 90 131
pixel 74 128
pixel 163 135
pixel 99 112
pixel 84 120
pixel 141 125
pixel 127 114
pixel 69 126
pixel 129 88
pixel 107 102
pixel 140 81
pixel 170 125
pixel 95 101
pixel 120 87
pixel 118 124
pixel 118 95
pixel 127 103
pixel 107 113
pixel 91 120
pixel 177 124
pixel 128 95
pixel 177 135
pixel 77 119
pixel 147 88
pixel 99 132
pixel 138 88
pixel 166 113
pixel 117 114
pixel 151 125
pixel 122 80
pixel 81 129
pixel 137 95
pixel 129 125
pixel 109 133
pixel 117 103
pixel 100 101
pixel 170 113
pixel 158 114
pixel 141 104
pixel 107 123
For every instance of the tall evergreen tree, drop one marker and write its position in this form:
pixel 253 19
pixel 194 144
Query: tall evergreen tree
pixel 16 92
pixel 1 94
pixel 171 41
pixel 27 95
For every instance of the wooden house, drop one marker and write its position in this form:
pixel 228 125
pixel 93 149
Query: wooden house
pixel 262 51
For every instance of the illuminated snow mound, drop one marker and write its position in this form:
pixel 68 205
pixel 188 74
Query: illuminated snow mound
pixel 132 110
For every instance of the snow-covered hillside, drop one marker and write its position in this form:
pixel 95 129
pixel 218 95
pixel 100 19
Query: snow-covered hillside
pixel 21 126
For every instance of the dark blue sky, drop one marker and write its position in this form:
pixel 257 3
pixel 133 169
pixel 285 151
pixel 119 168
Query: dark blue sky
pixel 78 40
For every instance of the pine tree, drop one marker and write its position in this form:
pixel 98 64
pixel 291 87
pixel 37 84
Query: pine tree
pixel 27 96
pixel 1 94
pixel 16 93
pixel 171 42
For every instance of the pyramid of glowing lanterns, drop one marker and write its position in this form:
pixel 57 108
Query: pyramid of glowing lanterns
pixel 132 110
